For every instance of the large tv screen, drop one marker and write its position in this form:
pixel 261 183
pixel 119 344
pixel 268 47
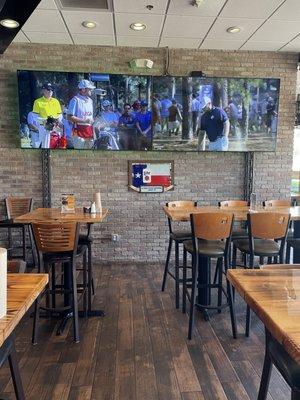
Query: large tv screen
pixel 96 111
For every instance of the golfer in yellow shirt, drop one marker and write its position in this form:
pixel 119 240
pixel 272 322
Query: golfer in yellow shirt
pixel 47 106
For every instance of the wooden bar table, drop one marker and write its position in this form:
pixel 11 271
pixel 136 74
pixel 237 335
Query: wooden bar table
pixel 22 291
pixel 55 215
pixel 274 295
pixel 240 214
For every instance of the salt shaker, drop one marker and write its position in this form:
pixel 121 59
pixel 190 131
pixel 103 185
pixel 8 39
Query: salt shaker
pixel 252 201
pixel 93 208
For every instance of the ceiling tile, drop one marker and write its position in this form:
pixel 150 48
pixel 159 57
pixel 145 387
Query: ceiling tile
pixel 137 41
pixel 139 6
pixel 249 9
pixel 45 21
pixel 153 22
pixel 47 5
pixel 218 31
pixel 294 45
pixel 74 21
pixel 274 30
pixel 221 44
pixel 289 11
pixel 209 8
pixel 187 27
pixel 262 46
pixel 183 43
pixel 100 40
pixel 20 38
pixel 42 37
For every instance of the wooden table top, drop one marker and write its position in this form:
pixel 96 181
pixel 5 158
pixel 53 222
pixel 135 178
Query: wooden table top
pixel 274 295
pixel 54 214
pixel 240 213
pixel 22 290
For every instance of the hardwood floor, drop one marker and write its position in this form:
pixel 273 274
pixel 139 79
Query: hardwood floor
pixel 140 351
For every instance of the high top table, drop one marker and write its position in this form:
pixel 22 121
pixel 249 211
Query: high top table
pixel 240 214
pixel 274 295
pixel 55 215
pixel 22 291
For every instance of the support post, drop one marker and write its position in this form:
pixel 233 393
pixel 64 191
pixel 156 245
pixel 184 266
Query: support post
pixel 46 177
pixel 248 179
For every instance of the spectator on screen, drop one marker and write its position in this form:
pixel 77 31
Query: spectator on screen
pixel 165 104
pixel 143 123
pixel 174 118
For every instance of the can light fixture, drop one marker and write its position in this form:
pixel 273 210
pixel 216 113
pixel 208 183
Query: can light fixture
pixel 138 26
pixel 89 24
pixel 9 23
pixel 234 29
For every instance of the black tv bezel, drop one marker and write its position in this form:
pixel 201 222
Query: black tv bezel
pixel 157 151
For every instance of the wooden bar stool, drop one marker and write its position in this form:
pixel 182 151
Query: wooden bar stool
pixel 178 237
pixel 211 236
pixel 58 243
pixel 290 242
pixel 16 206
pixel 267 238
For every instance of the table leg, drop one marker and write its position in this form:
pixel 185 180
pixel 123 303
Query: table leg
pixel 296 235
pixel 8 351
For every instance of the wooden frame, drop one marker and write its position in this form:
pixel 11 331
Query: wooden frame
pixel 160 184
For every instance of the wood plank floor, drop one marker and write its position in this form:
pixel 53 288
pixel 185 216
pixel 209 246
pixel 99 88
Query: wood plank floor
pixel 139 351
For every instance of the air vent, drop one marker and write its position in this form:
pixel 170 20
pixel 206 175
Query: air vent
pixel 101 5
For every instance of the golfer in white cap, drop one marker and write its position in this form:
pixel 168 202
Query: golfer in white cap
pixel 80 113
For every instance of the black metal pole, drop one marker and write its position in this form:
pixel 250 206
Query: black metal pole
pixel 46 177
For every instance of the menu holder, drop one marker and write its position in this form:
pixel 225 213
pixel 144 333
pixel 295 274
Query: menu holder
pixel 67 203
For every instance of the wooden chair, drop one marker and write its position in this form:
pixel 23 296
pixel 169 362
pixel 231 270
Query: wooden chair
pixel 267 238
pixel 16 206
pixel 85 239
pixel 178 237
pixel 58 243
pixel 290 242
pixel 211 236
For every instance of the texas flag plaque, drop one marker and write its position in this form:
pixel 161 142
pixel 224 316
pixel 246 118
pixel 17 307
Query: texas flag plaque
pixel 151 177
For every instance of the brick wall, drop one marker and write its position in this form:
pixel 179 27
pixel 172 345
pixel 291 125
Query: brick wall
pixel 204 177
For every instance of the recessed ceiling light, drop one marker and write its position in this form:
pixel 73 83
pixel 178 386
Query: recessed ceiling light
pixel 9 23
pixel 234 29
pixel 138 26
pixel 89 24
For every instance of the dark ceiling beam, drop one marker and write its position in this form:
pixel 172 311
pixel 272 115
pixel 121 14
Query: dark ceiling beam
pixel 19 10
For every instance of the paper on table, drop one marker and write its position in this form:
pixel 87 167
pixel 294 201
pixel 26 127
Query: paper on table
pixel 3 282
pixel 97 200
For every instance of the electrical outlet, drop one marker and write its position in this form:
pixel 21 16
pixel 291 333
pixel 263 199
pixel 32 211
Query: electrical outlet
pixel 115 237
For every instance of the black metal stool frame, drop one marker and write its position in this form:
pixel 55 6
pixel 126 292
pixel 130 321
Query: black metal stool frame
pixel 177 266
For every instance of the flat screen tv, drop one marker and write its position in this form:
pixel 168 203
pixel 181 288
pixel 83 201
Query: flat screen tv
pixel 97 111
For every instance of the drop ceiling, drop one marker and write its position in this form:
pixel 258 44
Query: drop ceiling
pixel 266 25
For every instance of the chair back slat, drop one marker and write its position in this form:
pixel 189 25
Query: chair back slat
pixel 55 237
pixel 212 226
pixel 268 225
pixel 277 203
pixel 233 203
pixel 16 206
pixel 182 204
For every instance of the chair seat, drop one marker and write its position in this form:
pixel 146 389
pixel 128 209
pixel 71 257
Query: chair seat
pixel 84 239
pixel 262 247
pixel 207 248
pixel 180 236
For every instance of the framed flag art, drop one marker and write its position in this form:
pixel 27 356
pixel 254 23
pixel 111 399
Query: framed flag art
pixel 151 176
